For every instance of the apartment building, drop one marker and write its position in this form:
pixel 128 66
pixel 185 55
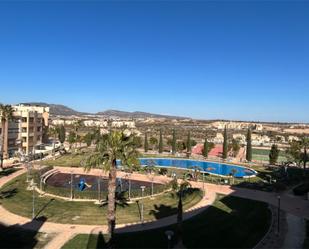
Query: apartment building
pixel 26 130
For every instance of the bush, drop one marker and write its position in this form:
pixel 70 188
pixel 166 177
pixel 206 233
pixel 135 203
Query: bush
pixel 301 189
pixel 279 186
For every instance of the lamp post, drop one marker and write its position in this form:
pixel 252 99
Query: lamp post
pixel 278 224
pixel 71 184
pixel 129 180
pixel 169 234
pixel 33 185
pixel 142 204
pixel 99 188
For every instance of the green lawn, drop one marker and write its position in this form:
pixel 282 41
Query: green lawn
pixel 68 160
pixel 263 155
pixel 15 198
pixel 231 222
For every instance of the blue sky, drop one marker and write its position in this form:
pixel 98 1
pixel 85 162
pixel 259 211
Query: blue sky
pixel 244 60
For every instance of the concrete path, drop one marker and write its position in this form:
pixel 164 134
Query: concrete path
pixel 295 235
pixel 299 208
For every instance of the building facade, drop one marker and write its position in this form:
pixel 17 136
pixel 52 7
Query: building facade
pixel 25 130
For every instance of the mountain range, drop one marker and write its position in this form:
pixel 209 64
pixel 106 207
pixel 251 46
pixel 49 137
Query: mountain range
pixel 62 110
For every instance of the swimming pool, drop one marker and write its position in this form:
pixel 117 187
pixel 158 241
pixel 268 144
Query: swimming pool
pixel 207 167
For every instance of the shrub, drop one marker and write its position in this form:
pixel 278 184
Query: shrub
pixel 301 189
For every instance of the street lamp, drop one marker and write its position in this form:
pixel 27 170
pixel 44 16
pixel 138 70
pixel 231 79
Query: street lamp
pixel 129 180
pixel 71 184
pixel 278 225
pixel 142 204
pixel 99 188
pixel 169 234
pixel 32 186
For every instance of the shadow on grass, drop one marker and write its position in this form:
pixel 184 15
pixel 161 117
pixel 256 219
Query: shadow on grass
pixel 96 241
pixel 162 210
pixel 21 236
pixel 6 194
pixel 43 208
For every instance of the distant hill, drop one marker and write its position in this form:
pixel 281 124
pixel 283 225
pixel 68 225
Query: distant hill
pixel 62 110
pixel 136 114
pixel 55 109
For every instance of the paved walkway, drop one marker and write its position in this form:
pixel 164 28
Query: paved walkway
pixel 299 208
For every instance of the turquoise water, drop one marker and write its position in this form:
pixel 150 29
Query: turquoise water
pixel 208 167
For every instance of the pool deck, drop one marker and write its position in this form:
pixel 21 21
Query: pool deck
pixel 299 208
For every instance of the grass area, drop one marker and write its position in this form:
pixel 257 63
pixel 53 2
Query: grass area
pixel 263 155
pixel 17 237
pixel 231 222
pixel 67 160
pixel 14 194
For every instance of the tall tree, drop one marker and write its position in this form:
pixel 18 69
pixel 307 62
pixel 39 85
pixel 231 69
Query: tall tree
pixel 6 114
pixel 160 142
pixel 146 143
pixel 273 154
pixel 53 132
pixel 61 133
pixel 72 138
pixel 114 146
pixel 153 141
pixel 225 144
pixel 174 142
pixel 188 144
pixel 304 154
pixel 205 149
pixel 235 146
pixel 249 146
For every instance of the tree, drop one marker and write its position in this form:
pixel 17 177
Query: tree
pixel 225 144
pixel 146 143
pixel 304 154
pixel 61 133
pixel 235 146
pixel 294 152
pixel 6 113
pixel 161 142
pixel 114 146
pixel 180 146
pixel 53 132
pixel 174 142
pixel 72 138
pixel 205 149
pixel 179 189
pixel 188 144
pixel 138 142
pixel 273 154
pixel 88 138
pixel 153 141
pixel 249 146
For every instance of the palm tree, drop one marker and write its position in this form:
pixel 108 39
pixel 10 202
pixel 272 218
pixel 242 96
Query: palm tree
pixel 304 156
pixel 111 147
pixel 179 189
pixel 6 113
pixel 53 132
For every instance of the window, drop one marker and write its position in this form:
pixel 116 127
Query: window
pixel 24 129
pixel 38 128
pixel 24 120
pixel 38 138
pixel 31 120
pixel 24 139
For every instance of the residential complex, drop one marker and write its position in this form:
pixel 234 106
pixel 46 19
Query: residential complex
pixel 25 130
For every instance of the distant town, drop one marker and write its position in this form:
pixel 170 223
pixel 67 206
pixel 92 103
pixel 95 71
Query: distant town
pixel 28 132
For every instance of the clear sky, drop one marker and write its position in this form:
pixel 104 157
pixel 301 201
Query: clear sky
pixel 245 60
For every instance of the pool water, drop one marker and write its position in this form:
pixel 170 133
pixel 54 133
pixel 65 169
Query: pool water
pixel 208 167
